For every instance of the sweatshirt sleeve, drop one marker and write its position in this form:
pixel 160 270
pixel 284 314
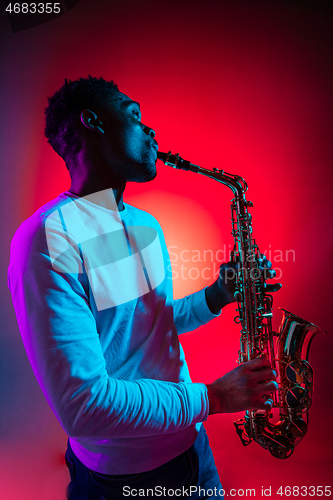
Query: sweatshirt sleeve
pixel 192 311
pixel 62 343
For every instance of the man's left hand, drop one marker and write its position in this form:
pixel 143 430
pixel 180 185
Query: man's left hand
pixel 222 292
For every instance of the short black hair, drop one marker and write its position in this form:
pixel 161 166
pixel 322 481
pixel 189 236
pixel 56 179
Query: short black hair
pixel 64 108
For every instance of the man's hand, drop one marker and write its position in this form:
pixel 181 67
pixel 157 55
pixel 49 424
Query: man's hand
pixel 226 281
pixel 246 387
pixel 268 273
pixel 222 292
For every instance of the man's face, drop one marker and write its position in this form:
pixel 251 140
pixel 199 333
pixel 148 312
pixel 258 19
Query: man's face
pixel 128 146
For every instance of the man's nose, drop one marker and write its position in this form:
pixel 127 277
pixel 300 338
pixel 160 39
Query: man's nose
pixel 149 131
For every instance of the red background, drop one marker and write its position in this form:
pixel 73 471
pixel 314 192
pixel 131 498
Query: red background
pixel 244 86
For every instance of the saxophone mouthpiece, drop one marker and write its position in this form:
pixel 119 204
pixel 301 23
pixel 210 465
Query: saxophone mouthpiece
pixel 161 156
pixel 175 161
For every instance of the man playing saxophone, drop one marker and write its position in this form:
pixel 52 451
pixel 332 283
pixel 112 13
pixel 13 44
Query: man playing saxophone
pixel 91 286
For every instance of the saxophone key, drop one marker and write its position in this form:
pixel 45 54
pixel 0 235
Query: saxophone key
pixel 298 428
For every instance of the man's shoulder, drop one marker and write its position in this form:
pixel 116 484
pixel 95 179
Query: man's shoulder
pixel 33 227
pixel 142 216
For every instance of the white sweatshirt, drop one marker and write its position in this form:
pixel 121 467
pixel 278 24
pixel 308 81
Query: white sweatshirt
pixel 92 292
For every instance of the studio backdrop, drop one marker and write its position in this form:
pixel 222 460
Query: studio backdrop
pixel 234 85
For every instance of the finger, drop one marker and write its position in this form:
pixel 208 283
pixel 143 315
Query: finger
pixel 264 261
pixel 268 404
pixel 262 404
pixel 273 288
pixel 267 387
pixel 265 375
pixel 257 364
pixel 267 273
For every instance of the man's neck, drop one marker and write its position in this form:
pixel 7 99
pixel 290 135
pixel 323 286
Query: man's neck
pixel 107 197
pixel 90 176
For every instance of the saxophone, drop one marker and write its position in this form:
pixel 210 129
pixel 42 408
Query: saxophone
pixel 287 349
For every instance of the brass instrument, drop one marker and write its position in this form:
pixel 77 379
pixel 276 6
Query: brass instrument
pixel 287 349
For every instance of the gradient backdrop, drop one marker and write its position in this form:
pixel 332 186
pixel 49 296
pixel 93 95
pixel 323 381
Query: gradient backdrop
pixel 244 86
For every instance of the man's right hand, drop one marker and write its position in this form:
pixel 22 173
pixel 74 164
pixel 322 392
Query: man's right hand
pixel 246 387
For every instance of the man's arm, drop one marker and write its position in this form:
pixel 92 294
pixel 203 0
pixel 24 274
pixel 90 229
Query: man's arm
pixel 198 308
pixel 63 346
pixel 192 311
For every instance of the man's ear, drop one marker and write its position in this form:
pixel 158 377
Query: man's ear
pixel 90 120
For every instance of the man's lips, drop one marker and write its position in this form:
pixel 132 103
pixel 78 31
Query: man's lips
pixel 154 145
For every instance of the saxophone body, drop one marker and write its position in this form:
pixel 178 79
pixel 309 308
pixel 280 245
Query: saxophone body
pixel 281 429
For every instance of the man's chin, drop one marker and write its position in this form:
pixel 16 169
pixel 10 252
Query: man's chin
pixel 146 175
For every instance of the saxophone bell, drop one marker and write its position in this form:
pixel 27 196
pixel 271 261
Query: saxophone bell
pixel 295 391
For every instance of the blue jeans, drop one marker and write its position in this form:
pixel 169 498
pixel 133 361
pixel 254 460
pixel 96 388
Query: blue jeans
pixel 192 474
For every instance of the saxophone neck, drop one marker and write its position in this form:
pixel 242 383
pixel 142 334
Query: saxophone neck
pixel 236 183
